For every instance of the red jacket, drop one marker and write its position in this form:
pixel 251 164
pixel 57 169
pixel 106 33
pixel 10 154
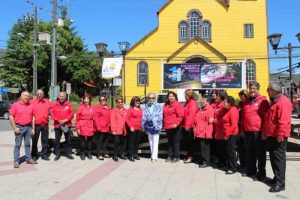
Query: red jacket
pixel 230 122
pixel 134 118
pixel 278 118
pixel 240 108
pixel 202 127
pixel 85 120
pixel 253 114
pixel 102 118
pixel 190 111
pixel 219 112
pixel 41 109
pixel 60 112
pixel 117 121
pixel 172 114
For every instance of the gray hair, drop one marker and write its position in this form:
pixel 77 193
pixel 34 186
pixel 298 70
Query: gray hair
pixel 40 91
pixel 151 94
pixel 276 86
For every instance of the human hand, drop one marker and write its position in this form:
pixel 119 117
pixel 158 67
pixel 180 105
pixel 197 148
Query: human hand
pixel 132 129
pixel 16 130
pixel 32 132
pixel 175 125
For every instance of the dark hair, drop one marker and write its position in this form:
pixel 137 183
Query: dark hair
pixel 230 100
pixel 254 83
pixel 222 94
pixel 89 97
pixel 102 97
pixel 133 100
pixel 174 94
pixel 119 98
pixel 244 93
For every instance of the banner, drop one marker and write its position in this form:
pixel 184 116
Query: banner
pixel 203 76
pixel 111 67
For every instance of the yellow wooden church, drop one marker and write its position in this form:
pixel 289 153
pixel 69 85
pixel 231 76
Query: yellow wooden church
pixel 200 31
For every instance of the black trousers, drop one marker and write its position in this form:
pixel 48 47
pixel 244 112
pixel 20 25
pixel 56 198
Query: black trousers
pixel 102 140
pixel 188 137
pixel 58 134
pixel 220 151
pixel 204 150
pixel 278 158
pixel 119 144
pixel 231 157
pixel 241 151
pixel 256 152
pixel 174 137
pixel 134 141
pixel 85 144
pixel 44 132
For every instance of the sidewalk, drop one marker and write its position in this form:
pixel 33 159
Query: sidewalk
pixel 141 180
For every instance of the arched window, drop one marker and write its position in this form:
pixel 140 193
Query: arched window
pixel 206 31
pixel 195 22
pixel 250 71
pixel 142 73
pixel 183 31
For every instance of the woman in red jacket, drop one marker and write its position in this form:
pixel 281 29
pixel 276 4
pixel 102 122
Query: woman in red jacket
pixel 102 125
pixel 230 129
pixel 85 126
pixel 118 129
pixel 203 129
pixel 172 116
pixel 190 111
pixel 134 123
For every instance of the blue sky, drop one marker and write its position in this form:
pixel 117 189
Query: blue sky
pixel 111 21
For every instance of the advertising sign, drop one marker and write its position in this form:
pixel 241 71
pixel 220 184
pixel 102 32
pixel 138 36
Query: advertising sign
pixel 111 67
pixel 203 76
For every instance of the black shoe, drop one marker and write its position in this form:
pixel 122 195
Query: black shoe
pixel 35 158
pixel 248 175
pixel 204 165
pixel 131 158
pixel 82 157
pixel 45 158
pixel 57 158
pixel 168 159
pixel 260 177
pixel 89 156
pixel 70 157
pixel 270 182
pixel 136 157
pixel 175 160
pixel 100 157
pixel 277 188
pixel 122 157
pixel 229 172
pixel 188 160
pixel 106 155
pixel 115 158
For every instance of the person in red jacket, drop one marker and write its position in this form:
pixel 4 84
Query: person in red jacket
pixel 102 125
pixel 277 128
pixel 230 129
pixel 85 126
pixel 253 117
pixel 62 113
pixel 118 129
pixel 41 108
pixel 134 123
pixel 219 140
pixel 190 111
pixel 203 129
pixel 173 113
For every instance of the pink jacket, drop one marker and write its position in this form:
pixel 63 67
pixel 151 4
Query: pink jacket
pixel 102 118
pixel 172 114
pixel 117 121
pixel 134 118
pixel 190 111
pixel 85 120
pixel 202 127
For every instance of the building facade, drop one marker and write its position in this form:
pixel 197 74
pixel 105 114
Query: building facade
pixel 200 31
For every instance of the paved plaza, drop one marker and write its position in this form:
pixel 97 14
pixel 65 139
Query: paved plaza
pixel 141 180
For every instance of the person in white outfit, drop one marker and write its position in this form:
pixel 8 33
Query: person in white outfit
pixel 152 124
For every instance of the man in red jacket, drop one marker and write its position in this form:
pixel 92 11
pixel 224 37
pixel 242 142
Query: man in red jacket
pixel 253 114
pixel 277 128
pixel 62 114
pixel 41 108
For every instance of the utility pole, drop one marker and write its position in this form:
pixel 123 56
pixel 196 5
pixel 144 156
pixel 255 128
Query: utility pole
pixel 53 55
pixel 35 53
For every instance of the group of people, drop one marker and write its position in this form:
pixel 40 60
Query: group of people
pixel 224 131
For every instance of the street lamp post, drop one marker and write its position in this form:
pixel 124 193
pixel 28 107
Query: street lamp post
pixel 53 53
pixel 123 48
pixel 274 40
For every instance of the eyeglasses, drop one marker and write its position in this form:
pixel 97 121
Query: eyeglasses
pixel 151 97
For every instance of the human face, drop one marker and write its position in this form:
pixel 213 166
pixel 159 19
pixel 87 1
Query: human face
pixel 226 104
pixel 86 101
pixel 39 95
pixel 137 103
pixel 243 98
pixel 61 97
pixel 171 98
pixel 186 97
pixel 25 97
pixel 102 101
pixel 151 98
pixel 204 101
pixel 253 91
pixel 120 103
pixel 271 92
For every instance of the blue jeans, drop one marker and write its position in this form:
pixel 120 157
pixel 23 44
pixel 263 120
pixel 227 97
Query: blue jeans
pixel 25 132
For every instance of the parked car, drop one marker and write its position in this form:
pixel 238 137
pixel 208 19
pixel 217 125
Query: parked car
pixel 4 109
